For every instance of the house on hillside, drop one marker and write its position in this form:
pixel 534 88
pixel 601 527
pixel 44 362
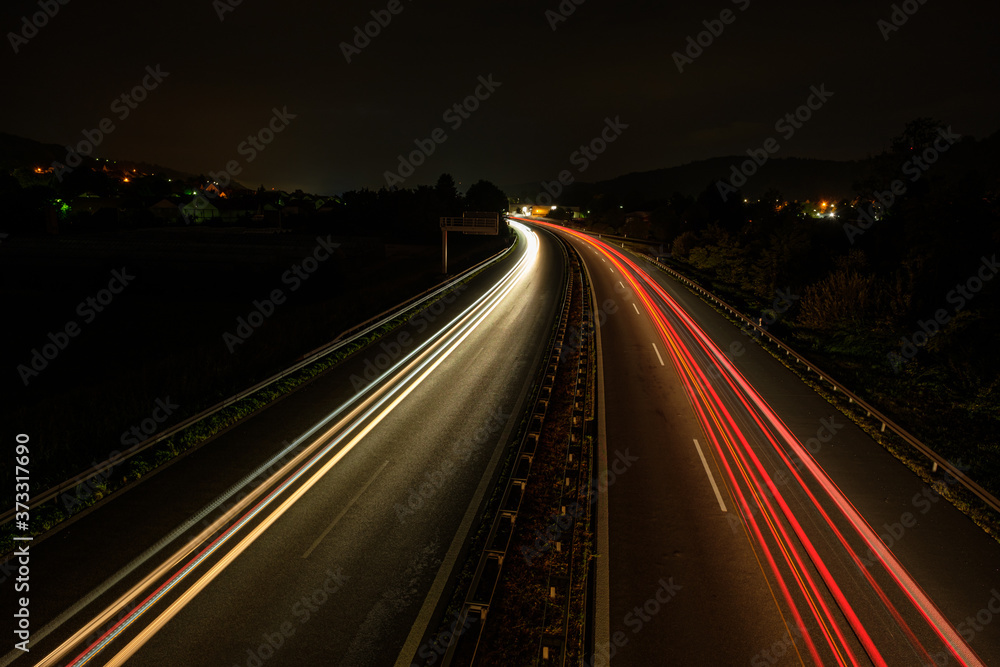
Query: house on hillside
pixel 166 211
pixel 199 211
pixel 202 210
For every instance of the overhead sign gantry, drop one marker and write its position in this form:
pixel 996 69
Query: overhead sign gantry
pixel 472 222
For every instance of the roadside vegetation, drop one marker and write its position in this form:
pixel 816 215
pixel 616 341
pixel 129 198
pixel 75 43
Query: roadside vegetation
pixel 895 295
pixel 161 341
pixel 66 462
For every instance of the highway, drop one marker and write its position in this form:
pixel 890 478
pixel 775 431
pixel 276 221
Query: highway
pixel 325 529
pixel 756 526
pixel 753 525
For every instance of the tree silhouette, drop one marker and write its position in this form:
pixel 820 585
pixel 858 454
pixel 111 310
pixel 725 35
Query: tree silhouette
pixel 447 195
pixel 917 135
pixel 484 196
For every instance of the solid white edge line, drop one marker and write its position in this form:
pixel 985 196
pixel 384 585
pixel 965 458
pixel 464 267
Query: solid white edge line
pixel 711 478
pixel 655 349
pixel 419 628
pixel 122 656
pixel 602 587
pixel 180 530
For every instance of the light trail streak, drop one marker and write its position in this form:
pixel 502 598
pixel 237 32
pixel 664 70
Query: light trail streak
pixel 115 608
pixel 945 631
pixel 725 435
pixel 422 362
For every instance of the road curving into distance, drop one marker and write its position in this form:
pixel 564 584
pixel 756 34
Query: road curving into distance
pixel 754 524
pixel 784 534
pixel 370 478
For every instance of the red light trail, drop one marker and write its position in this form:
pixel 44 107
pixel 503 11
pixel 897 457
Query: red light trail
pixel 791 540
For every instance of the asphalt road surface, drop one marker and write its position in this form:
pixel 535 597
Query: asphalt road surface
pixel 744 521
pixel 362 488
pixel 758 525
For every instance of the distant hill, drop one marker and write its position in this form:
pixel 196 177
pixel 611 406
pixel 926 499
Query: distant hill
pixel 795 178
pixel 17 152
pixel 20 153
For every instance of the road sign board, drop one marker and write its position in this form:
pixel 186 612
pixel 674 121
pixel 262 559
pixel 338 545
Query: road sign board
pixel 473 222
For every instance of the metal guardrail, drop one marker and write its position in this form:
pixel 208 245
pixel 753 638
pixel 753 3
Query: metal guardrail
pixel 355 332
pixel 554 649
pixel 938 460
pixel 481 591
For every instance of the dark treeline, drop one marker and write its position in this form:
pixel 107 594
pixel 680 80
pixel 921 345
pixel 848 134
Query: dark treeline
pixel 100 196
pixel 880 264
pixel 415 214
pixel 897 291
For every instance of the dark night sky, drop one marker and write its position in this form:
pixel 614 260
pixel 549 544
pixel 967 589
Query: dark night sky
pixel 607 59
